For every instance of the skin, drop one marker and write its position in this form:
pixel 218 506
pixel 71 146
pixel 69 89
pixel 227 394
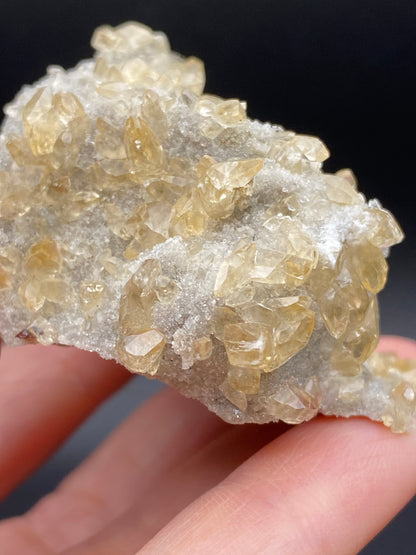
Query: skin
pixel 175 479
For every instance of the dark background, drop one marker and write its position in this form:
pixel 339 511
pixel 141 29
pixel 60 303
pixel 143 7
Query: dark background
pixel 342 70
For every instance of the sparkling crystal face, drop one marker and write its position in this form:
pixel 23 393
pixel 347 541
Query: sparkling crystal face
pixel 160 226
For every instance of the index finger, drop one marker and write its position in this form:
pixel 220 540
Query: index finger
pixel 329 484
pixel 45 393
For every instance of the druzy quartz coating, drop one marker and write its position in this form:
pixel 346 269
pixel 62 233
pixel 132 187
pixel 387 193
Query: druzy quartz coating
pixel 152 223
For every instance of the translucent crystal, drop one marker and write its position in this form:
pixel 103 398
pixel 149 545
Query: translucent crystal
pixel 92 294
pixel 142 147
pixel 311 147
pixel 161 227
pixel 245 380
pixel 109 141
pixel 384 230
pixel 31 295
pixel 234 271
pixel 348 175
pixel 291 337
pixel 295 404
pixel 43 259
pixel 189 218
pixel 152 112
pixel 4 278
pixel 400 412
pixel 334 311
pixel 230 111
pixel 371 266
pixel 341 190
pixel 142 352
pixel 46 117
pixel 221 317
pixel 233 174
pixel 237 398
pixel 202 348
pixel 248 344
pixel 136 308
pixel 56 291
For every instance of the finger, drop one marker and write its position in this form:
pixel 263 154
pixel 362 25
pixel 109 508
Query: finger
pixel 45 393
pixel 164 431
pixel 79 502
pixel 329 484
pixel 174 491
pixel 160 503
pixel 405 348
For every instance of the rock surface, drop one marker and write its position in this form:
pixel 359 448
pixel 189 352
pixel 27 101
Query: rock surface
pixel 157 225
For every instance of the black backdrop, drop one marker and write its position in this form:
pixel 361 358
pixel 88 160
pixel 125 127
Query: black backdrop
pixel 343 70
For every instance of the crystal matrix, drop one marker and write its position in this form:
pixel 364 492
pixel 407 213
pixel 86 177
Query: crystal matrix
pixel 157 225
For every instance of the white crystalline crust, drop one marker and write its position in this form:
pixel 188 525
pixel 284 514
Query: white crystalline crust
pixel 287 196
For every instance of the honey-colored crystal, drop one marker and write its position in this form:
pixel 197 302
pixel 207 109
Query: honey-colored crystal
pixel 290 322
pixel 47 116
pixel 217 203
pixel 234 174
pixel 286 206
pixel 363 340
pixel 142 352
pixel 202 348
pixel 311 147
pixel 235 269
pixel 109 141
pixel 153 114
pixel 383 363
pixel 301 259
pixel 135 309
pixel 237 398
pixel 43 259
pixel 371 266
pixel 248 345
pixel 221 317
pixel 31 295
pixel 10 259
pixel 91 294
pixel 291 338
pixel 268 267
pixel 341 190
pixel 143 148
pixel 348 175
pixel 4 278
pixel 56 291
pixel 399 415
pixel 244 380
pixel 359 341
pixel 189 218
pixel 385 231
pixel 230 111
pixel 294 404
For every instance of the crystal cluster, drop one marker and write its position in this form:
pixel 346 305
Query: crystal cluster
pixel 157 225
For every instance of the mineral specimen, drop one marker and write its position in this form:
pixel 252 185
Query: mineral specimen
pixel 157 225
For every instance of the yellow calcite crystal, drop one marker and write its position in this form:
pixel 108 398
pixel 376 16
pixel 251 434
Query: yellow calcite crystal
pixel 141 352
pixel 92 294
pixel 46 117
pixel 245 380
pixel 155 224
pixel 202 348
pixel 294 405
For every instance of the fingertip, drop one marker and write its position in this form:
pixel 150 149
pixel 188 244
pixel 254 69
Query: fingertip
pixel 403 346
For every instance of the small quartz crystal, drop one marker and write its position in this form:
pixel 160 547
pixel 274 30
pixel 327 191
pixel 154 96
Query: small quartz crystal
pixel 160 226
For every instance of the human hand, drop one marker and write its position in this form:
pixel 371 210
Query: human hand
pixel 173 478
